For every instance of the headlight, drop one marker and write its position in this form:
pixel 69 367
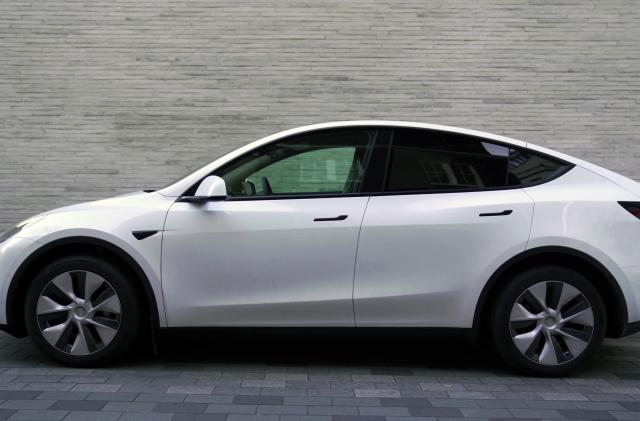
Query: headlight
pixel 16 229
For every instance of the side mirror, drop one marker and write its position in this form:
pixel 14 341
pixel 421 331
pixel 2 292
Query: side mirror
pixel 212 188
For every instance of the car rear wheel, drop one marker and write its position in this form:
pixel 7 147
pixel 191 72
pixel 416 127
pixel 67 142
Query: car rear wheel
pixel 548 320
pixel 82 311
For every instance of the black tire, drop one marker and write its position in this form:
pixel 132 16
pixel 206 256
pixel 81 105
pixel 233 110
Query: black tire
pixel 129 321
pixel 501 326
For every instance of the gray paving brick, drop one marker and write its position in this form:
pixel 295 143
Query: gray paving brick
pixel 416 402
pixel 144 388
pixel 453 403
pixel 305 418
pixel 26 404
pixel 36 378
pixel 258 400
pixel 562 396
pixel 197 417
pixel 312 400
pixel 11 394
pixel 332 410
pixel 271 391
pixel 113 396
pixel 181 407
pixel 92 415
pixel 330 393
pixel 281 410
pixel 38 414
pixel 586 414
pixel 601 406
pixel 129 406
pixel 231 409
pixel 77 405
pixel 383 411
pixel 536 413
pixel 434 412
pixel 512 403
pixel 356 401
pixel 12 386
pixel 412 419
pixel 263 383
pixel 377 393
pixel 209 398
pixel 48 386
pixel 485 413
pixel 243 417
pixel 225 390
pixel 137 416
pixel 471 395
pixel 57 395
pixel 191 390
pixel 89 387
pixel 287 376
pixel 83 379
pixel 160 397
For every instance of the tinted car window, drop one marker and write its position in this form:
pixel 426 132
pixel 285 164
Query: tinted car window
pixel 432 160
pixel 526 167
pixel 331 162
pixel 437 160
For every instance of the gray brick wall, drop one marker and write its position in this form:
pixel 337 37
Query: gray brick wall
pixel 104 97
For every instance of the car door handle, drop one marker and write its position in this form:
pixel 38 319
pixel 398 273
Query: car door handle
pixel 336 218
pixel 503 213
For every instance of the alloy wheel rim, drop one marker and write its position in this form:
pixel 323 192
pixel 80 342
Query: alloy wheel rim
pixel 551 323
pixel 78 312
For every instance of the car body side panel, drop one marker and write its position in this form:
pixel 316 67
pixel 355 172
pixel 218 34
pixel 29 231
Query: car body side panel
pixel 111 220
pixel 580 211
pixel 629 281
pixel 12 253
pixel 424 259
pixel 626 183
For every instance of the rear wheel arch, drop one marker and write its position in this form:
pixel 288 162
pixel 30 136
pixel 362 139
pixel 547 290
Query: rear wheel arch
pixel 591 268
pixel 74 246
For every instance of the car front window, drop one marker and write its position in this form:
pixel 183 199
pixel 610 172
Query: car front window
pixel 322 163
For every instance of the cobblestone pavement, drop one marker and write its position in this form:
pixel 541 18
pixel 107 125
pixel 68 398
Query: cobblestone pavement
pixel 329 376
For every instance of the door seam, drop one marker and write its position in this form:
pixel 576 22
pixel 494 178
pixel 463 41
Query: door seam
pixel 533 215
pixel 164 301
pixel 355 264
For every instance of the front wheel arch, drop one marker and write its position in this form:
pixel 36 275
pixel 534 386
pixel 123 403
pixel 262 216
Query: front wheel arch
pixel 592 269
pixel 68 246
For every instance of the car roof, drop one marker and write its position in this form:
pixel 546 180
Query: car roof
pixel 393 123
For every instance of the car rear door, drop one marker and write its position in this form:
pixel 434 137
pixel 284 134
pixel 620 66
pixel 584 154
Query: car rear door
pixel 449 215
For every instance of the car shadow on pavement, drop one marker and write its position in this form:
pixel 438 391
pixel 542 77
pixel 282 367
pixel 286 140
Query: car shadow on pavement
pixel 379 351
pixel 381 348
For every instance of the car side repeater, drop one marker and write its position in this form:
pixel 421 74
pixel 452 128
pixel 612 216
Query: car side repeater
pixel 141 235
pixel 632 207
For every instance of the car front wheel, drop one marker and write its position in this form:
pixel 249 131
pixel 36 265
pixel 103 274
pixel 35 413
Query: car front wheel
pixel 82 311
pixel 548 320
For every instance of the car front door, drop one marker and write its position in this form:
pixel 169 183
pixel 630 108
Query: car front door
pixel 281 249
pixel 451 212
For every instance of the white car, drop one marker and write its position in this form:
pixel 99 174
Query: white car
pixel 348 224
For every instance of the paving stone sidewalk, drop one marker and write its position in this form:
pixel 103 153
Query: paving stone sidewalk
pixel 327 379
